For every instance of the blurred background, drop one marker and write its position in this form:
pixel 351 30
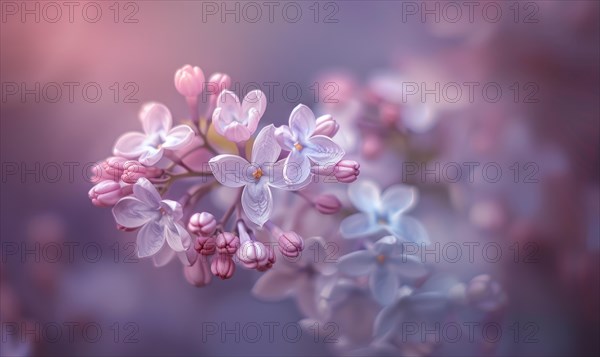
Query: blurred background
pixel 74 77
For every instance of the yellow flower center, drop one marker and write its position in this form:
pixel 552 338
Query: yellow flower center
pixel 381 258
pixel 257 174
pixel 298 146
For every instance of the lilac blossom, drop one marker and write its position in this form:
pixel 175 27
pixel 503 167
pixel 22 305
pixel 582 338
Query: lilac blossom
pixel 305 148
pixel 157 218
pixel 384 265
pixel 383 212
pixel 238 121
pixel 148 147
pixel 257 177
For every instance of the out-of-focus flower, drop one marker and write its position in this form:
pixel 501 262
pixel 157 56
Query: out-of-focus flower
pixel 383 212
pixel 227 243
pixel 217 83
pixel 408 301
pixel 301 279
pixel 238 121
pixel 485 293
pixel 326 125
pixel 203 223
pixel 197 274
pixel 133 170
pixel 256 177
pixel 222 266
pixel 157 218
pixel 189 81
pixel 384 266
pixel 305 147
pixel 148 148
pixel 327 204
pixel 107 193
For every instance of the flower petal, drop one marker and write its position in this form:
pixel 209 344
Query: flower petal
pixel 145 191
pixel 156 118
pixel 357 263
pixel 256 100
pixel 296 168
pixel 236 132
pixel 130 212
pixel 265 149
pixel 302 121
pixel 408 228
pixel 230 170
pixel 275 284
pixel 398 198
pixel 150 239
pixel 386 245
pixel 230 107
pixel 407 266
pixel 257 202
pixel 175 234
pixel 383 284
pixel 178 137
pixel 364 195
pixel 387 318
pixel 285 138
pixel 323 151
pixel 151 155
pixel 357 225
pixel 130 145
pixel 277 180
pixel 163 257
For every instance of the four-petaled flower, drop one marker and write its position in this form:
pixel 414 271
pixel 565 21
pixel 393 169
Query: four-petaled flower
pixel 148 148
pixel 157 218
pixel 305 147
pixel 383 212
pixel 235 121
pixel 384 266
pixel 256 177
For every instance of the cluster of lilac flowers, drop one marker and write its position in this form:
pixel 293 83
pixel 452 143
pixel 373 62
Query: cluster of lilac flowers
pixel 137 180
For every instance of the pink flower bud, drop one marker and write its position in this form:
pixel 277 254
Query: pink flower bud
pixel 109 169
pixel 268 263
pixel 227 243
pixel 252 254
pixel 202 223
pixel 347 171
pixel 222 266
pixel 205 245
pixel 189 81
pixel 134 171
pixel 327 204
pixel 327 126
pixel 107 193
pixel 197 274
pixel 290 244
pixel 125 229
pixel 389 113
pixel 220 82
pixel 372 146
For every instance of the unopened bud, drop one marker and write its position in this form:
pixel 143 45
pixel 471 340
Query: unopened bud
pixel 327 204
pixel 202 223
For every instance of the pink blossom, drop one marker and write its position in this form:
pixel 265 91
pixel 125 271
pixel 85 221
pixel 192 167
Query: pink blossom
pixel 189 81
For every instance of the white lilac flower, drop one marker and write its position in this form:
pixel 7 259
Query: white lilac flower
pixel 305 147
pixel 384 265
pixel 238 121
pixel 148 147
pixel 256 177
pixel 382 212
pixel 157 218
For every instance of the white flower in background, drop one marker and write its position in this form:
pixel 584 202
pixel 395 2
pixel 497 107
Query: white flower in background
pixel 382 212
